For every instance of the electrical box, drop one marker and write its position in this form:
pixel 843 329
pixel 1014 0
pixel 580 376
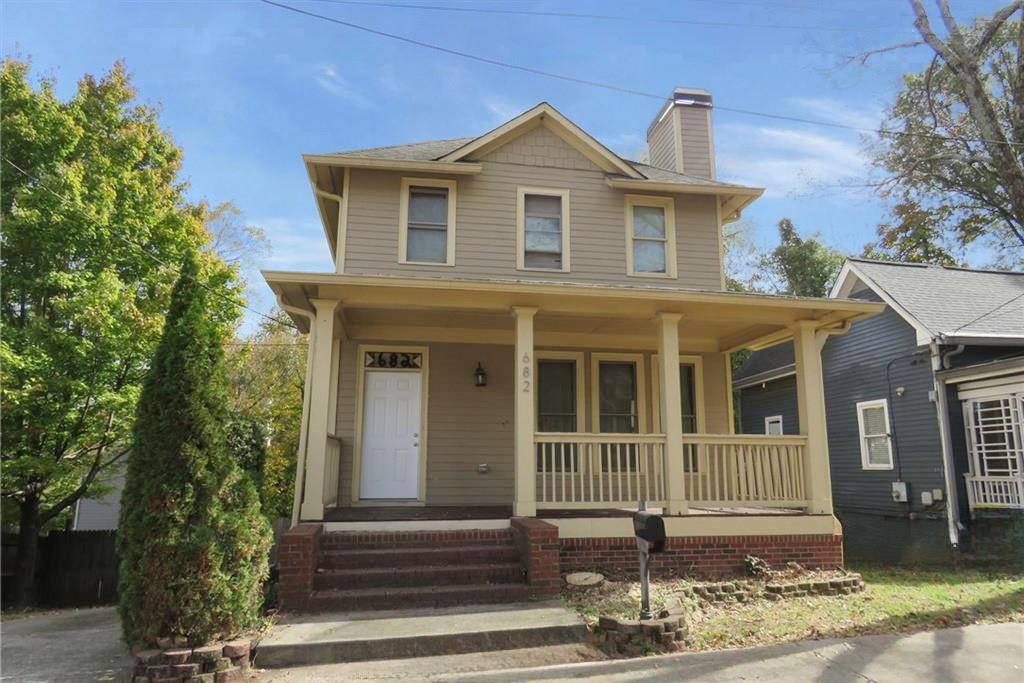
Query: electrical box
pixel 899 492
pixel 926 497
pixel 937 495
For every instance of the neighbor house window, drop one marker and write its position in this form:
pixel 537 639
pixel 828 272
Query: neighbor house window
pixel 773 425
pixel 875 439
pixel 650 236
pixel 427 222
pixel 543 229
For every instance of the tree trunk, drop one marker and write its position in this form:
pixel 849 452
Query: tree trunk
pixel 28 548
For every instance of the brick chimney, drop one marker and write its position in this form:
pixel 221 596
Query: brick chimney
pixel 679 139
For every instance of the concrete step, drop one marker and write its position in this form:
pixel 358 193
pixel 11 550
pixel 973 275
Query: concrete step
pixel 426 575
pixel 357 599
pixel 304 640
pixel 339 540
pixel 414 556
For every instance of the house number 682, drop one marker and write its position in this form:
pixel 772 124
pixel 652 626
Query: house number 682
pixel 526 373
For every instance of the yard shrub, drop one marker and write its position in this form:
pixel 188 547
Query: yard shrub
pixel 192 541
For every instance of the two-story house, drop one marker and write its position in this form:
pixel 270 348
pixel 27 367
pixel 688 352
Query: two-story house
pixel 524 335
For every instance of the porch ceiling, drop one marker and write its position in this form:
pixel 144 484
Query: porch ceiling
pixel 569 314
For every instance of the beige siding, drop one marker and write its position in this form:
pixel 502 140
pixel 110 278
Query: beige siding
pixel 661 144
pixel 486 226
pixel 696 141
pixel 469 425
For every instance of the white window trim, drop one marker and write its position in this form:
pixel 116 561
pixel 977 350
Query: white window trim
pixel 403 220
pixel 861 407
pixel 773 419
pixel 641 387
pixel 579 357
pixel 668 204
pixel 521 193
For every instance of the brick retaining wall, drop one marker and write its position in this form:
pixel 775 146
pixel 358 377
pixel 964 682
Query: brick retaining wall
pixel 297 559
pixel 702 555
pixel 538 546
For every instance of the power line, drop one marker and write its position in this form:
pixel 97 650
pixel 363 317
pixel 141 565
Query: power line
pixel 68 202
pixel 989 312
pixel 586 15
pixel 617 88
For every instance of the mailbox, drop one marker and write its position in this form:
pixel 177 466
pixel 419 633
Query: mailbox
pixel 650 528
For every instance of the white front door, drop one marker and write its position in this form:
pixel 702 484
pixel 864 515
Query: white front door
pixel 391 436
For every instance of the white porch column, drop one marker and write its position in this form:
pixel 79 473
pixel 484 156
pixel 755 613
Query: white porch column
pixel 810 394
pixel 671 411
pixel 525 500
pixel 321 422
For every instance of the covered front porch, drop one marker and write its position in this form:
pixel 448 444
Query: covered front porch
pixel 436 404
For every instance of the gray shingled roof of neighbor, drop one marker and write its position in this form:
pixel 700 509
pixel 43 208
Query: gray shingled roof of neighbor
pixel 953 302
pixel 767 362
pixel 432 150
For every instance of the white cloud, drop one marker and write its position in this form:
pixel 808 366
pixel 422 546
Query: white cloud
pixel 502 110
pixel 787 161
pixel 328 78
pixel 834 111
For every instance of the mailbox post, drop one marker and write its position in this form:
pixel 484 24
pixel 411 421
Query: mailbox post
pixel 650 539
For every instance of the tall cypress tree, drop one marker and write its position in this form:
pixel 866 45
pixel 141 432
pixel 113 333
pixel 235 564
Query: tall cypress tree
pixel 192 541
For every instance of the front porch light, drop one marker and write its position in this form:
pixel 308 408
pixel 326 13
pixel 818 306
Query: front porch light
pixel 480 375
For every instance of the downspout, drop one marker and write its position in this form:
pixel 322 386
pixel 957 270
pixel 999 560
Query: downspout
pixel 300 457
pixel 942 412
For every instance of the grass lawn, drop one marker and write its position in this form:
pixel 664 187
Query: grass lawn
pixel 896 600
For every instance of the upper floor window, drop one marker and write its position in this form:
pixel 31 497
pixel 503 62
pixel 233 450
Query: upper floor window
pixel 650 236
pixel 427 222
pixel 542 229
pixel 875 438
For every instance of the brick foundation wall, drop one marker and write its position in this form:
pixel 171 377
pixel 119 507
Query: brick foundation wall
pixel 702 556
pixel 539 549
pixel 297 559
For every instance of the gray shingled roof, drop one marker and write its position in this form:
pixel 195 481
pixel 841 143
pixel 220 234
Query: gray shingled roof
pixel 433 150
pixel 764 362
pixel 953 302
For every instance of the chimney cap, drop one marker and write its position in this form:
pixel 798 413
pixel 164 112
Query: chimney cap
pixel 691 97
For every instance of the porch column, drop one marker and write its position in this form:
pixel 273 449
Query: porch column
pixel 671 411
pixel 810 394
pixel 321 422
pixel 525 500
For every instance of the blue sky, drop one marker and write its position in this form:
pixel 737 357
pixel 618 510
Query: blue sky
pixel 246 88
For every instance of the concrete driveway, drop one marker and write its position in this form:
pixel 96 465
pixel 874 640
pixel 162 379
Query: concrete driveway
pixel 69 645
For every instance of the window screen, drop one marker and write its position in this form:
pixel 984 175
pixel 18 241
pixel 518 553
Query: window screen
pixel 876 449
pixel 543 231
pixel 427 237
pixel 649 240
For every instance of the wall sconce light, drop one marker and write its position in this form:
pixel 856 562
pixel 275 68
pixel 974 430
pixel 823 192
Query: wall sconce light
pixel 900 391
pixel 480 376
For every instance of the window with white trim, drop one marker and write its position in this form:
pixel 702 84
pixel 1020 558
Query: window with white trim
pixel 875 437
pixel 650 236
pixel 542 229
pixel 773 425
pixel 427 217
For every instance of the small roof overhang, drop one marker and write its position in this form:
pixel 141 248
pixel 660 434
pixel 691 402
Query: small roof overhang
pixel 732 199
pixel 579 314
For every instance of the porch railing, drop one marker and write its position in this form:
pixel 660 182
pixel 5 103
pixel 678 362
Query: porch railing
pixel 332 470
pixel 577 470
pixel 994 492
pixel 731 470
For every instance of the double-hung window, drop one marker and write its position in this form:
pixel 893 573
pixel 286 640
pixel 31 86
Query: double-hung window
pixel 875 438
pixel 650 236
pixel 542 229
pixel 427 222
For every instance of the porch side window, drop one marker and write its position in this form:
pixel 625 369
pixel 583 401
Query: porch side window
pixel 543 228
pixel 650 236
pixel 427 222
pixel 617 394
pixel 875 439
pixel 556 412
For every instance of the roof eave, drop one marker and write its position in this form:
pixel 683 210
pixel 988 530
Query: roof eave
pixel 345 161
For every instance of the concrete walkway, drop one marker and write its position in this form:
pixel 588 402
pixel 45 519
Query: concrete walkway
pixel 68 645
pixel 983 654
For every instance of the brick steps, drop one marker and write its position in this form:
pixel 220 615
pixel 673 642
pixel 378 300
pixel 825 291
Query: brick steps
pixel 416 556
pixel 427 575
pixel 401 597
pixel 351 540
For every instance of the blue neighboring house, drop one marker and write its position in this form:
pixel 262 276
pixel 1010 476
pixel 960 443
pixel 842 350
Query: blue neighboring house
pixel 925 407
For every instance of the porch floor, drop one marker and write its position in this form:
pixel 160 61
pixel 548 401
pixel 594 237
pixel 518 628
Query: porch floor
pixel 473 512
